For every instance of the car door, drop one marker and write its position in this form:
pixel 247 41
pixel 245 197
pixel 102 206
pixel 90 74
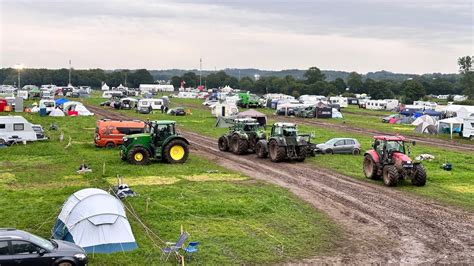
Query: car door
pixel 26 253
pixel 349 145
pixel 5 258
pixel 339 146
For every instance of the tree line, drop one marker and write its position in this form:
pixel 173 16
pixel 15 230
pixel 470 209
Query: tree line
pixel 89 77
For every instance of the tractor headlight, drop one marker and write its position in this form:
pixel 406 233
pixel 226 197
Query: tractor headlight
pixel 80 256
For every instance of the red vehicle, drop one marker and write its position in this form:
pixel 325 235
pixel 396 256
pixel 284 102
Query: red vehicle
pixel 389 159
pixel 110 133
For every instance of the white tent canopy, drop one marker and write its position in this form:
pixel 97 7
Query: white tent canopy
pixel 105 87
pixel 452 122
pixel 96 221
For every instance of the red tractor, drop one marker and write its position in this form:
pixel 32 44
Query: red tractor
pixel 389 159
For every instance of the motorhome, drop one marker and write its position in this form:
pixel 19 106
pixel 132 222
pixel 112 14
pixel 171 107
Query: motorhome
pixel 155 104
pixel 17 129
pixel 341 101
pixel 110 94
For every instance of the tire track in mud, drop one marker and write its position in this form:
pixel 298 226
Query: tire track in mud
pixel 382 225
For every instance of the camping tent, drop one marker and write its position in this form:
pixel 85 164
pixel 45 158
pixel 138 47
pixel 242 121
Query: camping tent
pixel 261 118
pixel 61 101
pixel 96 221
pixel 450 123
pixel 56 112
pixel 78 107
pixel 336 113
pixel 105 87
pixel 425 128
pixel 427 112
pixel 424 118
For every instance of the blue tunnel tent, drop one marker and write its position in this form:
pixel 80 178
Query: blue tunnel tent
pixel 61 101
pixel 428 112
pixel 96 221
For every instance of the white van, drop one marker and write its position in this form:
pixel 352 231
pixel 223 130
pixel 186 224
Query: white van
pixel 110 94
pixel 154 103
pixel 49 104
pixel 18 129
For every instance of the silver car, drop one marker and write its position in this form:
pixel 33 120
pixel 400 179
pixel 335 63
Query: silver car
pixel 339 145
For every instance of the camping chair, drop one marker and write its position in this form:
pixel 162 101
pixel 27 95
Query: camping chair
pixel 191 249
pixel 174 247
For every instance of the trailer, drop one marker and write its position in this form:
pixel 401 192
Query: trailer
pixel 341 101
pixel 15 129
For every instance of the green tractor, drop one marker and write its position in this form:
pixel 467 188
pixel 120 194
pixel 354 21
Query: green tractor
pixel 285 144
pixel 243 135
pixel 160 142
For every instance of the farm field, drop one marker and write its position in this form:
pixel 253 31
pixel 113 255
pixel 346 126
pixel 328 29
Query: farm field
pixel 237 219
pixel 455 187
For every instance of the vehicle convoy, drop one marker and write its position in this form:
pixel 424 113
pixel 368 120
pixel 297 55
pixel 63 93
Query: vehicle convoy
pixel 243 135
pixel 388 159
pixel 18 247
pixel 285 143
pixel 160 141
pixel 110 133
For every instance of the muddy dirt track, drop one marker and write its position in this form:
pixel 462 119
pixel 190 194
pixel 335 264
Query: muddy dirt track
pixel 440 143
pixel 382 225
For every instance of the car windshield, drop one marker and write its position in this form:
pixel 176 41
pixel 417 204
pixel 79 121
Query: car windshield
pixel 39 241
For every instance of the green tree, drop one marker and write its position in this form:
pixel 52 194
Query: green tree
pixel 340 85
pixel 140 76
pixel 313 75
pixel 413 90
pixel 467 80
pixel 354 81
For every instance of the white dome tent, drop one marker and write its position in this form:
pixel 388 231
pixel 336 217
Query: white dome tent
pixel 96 221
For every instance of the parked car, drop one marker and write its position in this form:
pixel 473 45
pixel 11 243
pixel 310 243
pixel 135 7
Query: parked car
pixel 18 247
pixel 177 111
pixel 339 145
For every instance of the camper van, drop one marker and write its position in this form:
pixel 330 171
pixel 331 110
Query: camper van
pixel 154 103
pixel 341 101
pixel 18 129
pixel 110 133
pixel 468 128
pixel 110 94
pixel 49 104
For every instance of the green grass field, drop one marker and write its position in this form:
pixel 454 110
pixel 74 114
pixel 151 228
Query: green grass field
pixel 237 220
pixel 455 187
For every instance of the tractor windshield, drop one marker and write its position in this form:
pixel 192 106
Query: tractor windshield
pixel 395 146
pixel 250 127
pixel 289 132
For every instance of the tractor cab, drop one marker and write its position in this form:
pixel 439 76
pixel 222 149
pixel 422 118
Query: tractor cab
pixel 161 130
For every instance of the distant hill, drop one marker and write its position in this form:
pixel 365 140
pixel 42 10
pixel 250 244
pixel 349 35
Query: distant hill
pixel 297 74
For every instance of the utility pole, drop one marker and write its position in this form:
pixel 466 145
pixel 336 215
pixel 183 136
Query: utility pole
pixel 70 72
pixel 200 72
pixel 19 69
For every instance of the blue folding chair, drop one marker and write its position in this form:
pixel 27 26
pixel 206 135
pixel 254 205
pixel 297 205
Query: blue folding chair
pixel 191 249
pixel 174 247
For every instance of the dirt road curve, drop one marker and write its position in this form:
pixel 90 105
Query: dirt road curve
pixel 382 225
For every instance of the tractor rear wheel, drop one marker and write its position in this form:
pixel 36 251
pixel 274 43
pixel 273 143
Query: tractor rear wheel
pixel 223 144
pixel 302 154
pixel 370 168
pixel 260 150
pixel 420 176
pixel 138 155
pixel 277 153
pixel 176 151
pixel 390 175
pixel 239 146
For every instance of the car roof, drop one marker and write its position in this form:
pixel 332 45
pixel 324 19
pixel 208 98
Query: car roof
pixel 390 138
pixel 12 233
pixel 164 122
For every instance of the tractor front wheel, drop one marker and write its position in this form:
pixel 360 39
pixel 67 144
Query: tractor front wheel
pixel 420 176
pixel 223 144
pixel 390 175
pixel 260 150
pixel 138 155
pixel 370 168
pixel 176 151
pixel 277 153
pixel 302 154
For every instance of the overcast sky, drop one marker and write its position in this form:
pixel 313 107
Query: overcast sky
pixel 401 36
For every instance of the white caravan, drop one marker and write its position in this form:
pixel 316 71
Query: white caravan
pixel 468 127
pixel 110 94
pixel 17 129
pixel 224 110
pixel 341 101
pixel 376 105
pixel 154 103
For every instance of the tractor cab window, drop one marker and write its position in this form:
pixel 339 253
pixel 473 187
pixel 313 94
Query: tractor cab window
pixel 249 127
pixel 289 132
pixel 277 131
pixel 395 146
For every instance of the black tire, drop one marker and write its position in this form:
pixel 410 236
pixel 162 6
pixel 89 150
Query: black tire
pixel 260 150
pixel 134 158
pixel 167 151
pixel 355 152
pixel 66 263
pixel 303 153
pixel 277 153
pixel 419 179
pixel 390 175
pixel 329 151
pixel 110 145
pixel 223 144
pixel 239 146
pixel 370 168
